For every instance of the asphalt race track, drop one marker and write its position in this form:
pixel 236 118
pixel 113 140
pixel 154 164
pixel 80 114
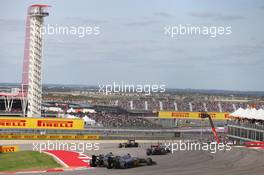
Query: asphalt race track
pixel 237 161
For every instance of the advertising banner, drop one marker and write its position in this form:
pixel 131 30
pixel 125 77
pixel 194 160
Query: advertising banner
pixel 48 137
pixel 7 149
pixel 41 123
pixel 192 115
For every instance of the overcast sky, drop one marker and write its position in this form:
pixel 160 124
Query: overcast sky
pixel 133 48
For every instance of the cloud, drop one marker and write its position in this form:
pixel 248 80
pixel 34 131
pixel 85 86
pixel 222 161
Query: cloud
pixel 11 24
pixel 142 23
pixel 239 55
pixel 86 20
pixel 163 14
pixel 216 16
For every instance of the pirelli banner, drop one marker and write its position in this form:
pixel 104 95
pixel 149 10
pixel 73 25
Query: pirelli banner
pixel 41 123
pixel 192 115
pixel 7 149
pixel 47 137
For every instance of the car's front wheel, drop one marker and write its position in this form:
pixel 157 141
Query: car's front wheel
pixel 93 161
pixel 149 161
pixel 110 163
pixel 148 152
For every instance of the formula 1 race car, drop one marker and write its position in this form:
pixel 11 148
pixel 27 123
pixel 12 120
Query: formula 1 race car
pixel 127 161
pixel 119 162
pixel 158 149
pixel 129 143
pixel 101 160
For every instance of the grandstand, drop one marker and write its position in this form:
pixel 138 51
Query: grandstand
pixel 144 105
pixel 247 125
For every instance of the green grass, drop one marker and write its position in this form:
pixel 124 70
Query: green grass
pixel 26 160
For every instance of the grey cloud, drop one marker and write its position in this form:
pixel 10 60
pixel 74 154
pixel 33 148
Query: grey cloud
pixel 117 51
pixel 86 20
pixel 216 16
pixel 127 42
pixel 11 24
pixel 247 49
pixel 163 14
pixel 246 55
pixel 142 23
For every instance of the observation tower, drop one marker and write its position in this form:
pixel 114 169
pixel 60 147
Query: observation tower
pixel 31 87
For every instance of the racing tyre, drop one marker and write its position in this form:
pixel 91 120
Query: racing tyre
pixel 149 161
pixel 163 151
pixel 110 163
pixel 148 152
pixel 93 161
pixel 125 166
pixel 116 162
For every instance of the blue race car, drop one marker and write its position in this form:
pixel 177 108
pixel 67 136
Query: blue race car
pixel 119 162
pixel 101 160
pixel 127 161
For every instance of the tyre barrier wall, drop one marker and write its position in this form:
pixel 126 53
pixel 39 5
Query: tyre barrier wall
pixel 7 149
pixel 48 137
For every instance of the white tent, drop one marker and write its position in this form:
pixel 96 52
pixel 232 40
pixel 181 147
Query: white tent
pixel 71 110
pixel 89 121
pixel 238 112
pixel 86 118
pixel 89 111
pixel 70 116
pixel 54 109
pixel 249 113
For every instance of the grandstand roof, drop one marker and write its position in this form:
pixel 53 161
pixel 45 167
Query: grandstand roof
pixel 249 113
